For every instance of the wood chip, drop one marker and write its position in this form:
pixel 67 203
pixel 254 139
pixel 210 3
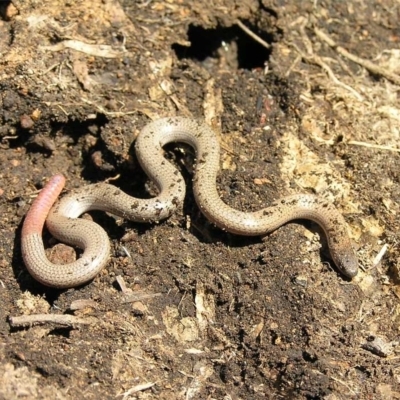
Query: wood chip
pixel 37 319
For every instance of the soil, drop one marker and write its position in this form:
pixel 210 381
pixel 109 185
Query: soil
pixel 210 315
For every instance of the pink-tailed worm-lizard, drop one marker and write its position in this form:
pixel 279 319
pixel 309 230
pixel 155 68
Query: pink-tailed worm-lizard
pixel 63 222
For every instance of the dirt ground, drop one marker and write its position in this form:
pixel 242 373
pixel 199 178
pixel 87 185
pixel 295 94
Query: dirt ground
pixel 305 98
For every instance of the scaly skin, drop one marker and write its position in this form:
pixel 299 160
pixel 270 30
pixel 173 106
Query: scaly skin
pixel 63 222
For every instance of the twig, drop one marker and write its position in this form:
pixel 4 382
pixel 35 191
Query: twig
pixel 98 50
pixel 380 255
pixel 138 296
pixel 313 59
pixel 82 303
pixel 122 285
pixel 373 146
pixel 104 111
pixel 135 389
pixel 370 66
pixel 344 384
pixel 252 34
pixel 318 61
pixel 65 320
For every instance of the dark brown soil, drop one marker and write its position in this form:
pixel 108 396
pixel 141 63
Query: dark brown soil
pixel 216 316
